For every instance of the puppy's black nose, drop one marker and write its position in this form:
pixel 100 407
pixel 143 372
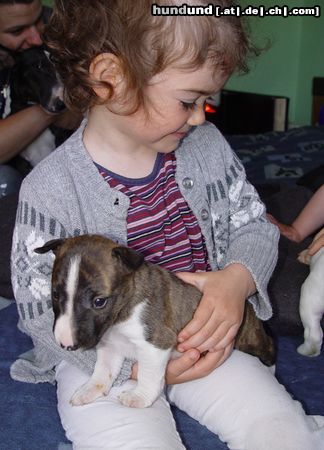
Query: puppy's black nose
pixel 70 348
pixel 59 105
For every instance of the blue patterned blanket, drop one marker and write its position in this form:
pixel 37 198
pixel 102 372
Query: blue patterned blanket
pixel 275 157
pixel 29 420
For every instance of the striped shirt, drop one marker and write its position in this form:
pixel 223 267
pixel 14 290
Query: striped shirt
pixel 160 224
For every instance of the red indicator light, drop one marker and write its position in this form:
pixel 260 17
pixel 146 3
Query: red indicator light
pixel 210 109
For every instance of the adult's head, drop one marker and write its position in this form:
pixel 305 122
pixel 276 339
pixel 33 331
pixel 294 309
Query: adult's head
pixel 21 24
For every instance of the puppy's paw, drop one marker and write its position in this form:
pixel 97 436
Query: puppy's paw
pixel 88 393
pixel 134 400
pixel 309 349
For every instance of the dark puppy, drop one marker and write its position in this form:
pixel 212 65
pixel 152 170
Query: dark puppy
pixel 34 81
pixel 106 295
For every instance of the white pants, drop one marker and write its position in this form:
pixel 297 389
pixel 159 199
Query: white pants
pixel 241 402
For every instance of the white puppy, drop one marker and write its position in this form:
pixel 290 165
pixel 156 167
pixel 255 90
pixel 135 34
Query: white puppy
pixel 311 306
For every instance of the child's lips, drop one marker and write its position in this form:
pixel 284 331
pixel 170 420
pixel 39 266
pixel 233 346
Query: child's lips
pixel 180 134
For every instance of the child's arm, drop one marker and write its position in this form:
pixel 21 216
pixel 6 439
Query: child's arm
pixel 31 281
pixel 23 127
pixel 289 231
pixel 308 220
pixel 37 223
pixel 246 254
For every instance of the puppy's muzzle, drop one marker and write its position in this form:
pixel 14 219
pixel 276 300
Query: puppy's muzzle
pixel 65 342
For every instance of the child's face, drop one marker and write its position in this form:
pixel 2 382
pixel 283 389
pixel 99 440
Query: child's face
pixel 176 100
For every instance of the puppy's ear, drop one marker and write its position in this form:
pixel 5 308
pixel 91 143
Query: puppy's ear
pixel 130 258
pixel 50 245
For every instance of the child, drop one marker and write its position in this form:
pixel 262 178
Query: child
pixel 145 170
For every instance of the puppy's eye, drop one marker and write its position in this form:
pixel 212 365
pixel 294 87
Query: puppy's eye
pixel 55 296
pixel 99 303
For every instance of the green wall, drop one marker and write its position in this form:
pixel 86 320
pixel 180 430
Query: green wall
pixel 296 55
pixel 311 63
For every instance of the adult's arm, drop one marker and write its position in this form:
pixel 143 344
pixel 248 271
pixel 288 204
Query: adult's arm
pixel 20 129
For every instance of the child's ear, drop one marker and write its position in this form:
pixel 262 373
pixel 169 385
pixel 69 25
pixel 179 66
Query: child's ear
pixel 106 67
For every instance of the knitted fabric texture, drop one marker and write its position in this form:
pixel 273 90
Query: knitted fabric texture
pixel 66 196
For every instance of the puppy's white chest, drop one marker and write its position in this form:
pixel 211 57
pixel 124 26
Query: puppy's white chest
pixel 127 336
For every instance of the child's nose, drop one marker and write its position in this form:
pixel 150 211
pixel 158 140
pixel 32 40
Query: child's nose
pixel 197 116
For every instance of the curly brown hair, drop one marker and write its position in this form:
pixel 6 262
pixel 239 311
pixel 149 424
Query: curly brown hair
pixel 145 44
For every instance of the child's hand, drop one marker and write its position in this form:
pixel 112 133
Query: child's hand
pixel 214 325
pixel 317 243
pixel 286 230
pixel 191 365
pixel 220 312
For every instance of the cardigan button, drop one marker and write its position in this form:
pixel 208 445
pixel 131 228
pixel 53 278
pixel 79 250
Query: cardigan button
pixel 204 214
pixel 187 183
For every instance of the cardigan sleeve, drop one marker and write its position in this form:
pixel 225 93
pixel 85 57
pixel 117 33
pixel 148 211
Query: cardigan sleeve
pixel 228 209
pixel 253 240
pixel 31 280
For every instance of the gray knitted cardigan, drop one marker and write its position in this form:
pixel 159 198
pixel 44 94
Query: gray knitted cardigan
pixel 66 196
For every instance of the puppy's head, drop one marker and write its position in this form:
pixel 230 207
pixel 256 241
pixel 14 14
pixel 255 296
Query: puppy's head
pixel 87 278
pixel 33 80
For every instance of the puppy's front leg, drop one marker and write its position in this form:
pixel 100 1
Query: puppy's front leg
pixel 152 363
pixel 311 311
pixel 106 370
pixel 313 338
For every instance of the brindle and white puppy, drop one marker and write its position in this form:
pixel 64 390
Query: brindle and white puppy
pixel 107 296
